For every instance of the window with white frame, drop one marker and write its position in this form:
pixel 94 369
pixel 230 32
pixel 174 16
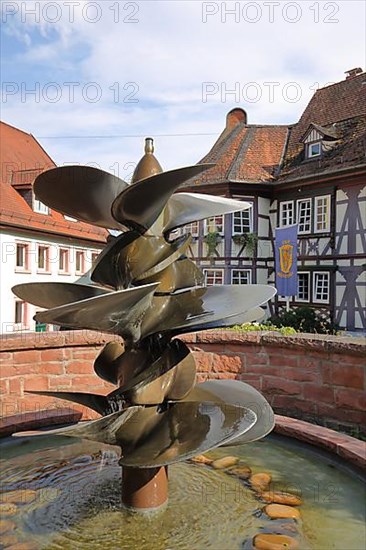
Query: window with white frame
pixel 64 260
pixel 304 215
pixel 314 149
pixel 241 277
pixel 79 262
pixel 242 222
pixel 321 287
pixel 43 258
pixel 69 218
pixel 19 313
pixel 22 257
pixel 214 276
pixel 192 228
pixel 287 213
pixel 322 214
pixel 40 207
pixel 214 224
pixel 303 287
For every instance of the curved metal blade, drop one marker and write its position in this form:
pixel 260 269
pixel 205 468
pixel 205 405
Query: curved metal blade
pixel 139 206
pixel 185 208
pixel 156 437
pixel 153 436
pixel 106 364
pixel 196 306
pixel 132 256
pixel 181 274
pixel 50 295
pixel 118 312
pixel 103 429
pixel 98 403
pixel 235 392
pixel 83 192
pixel 250 316
pixel 171 376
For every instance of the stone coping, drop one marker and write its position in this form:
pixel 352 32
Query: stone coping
pixel 346 447
pixel 313 342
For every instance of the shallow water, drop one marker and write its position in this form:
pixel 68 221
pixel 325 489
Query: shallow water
pixel 78 502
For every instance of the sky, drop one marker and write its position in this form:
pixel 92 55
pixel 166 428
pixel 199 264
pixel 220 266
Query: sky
pixel 91 79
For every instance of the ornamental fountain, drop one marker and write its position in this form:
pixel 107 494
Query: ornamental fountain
pixel 144 289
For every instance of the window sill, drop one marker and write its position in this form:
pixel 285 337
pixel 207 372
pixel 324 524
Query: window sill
pixel 64 273
pixel 21 270
pixel 43 272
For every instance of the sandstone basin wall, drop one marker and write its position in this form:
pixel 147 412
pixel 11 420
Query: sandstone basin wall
pixel 316 378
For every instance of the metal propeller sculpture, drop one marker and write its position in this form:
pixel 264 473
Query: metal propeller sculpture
pixel 144 289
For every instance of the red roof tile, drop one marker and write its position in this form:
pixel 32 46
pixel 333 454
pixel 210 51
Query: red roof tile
pixel 244 153
pixel 341 109
pixel 22 159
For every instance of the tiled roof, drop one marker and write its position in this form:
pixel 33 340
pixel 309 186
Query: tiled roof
pixel 341 109
pixel 244 153
pixel 22 159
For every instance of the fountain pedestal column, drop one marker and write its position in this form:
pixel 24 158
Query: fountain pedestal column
pixel 144 488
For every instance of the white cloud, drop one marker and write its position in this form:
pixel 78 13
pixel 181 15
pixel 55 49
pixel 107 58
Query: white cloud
pixel 169 54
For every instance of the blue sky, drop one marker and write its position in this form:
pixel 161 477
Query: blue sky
pixel 104 72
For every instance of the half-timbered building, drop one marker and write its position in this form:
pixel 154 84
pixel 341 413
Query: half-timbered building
pixel 311 173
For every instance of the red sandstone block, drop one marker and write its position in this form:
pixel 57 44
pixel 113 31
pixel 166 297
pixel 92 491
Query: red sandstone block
pixel 346 416
pixel 57 382
pixel 273 385
pixel 215 348
pixel 5 357
pixel 34 382
pixel 51 368
pixel 53 354
pixel 4 387
pixel 203 361
pixel 256 359
pixel 263 369
pixel 301 375
pixel 309 362
pixel 291 404
pixel 80 367
pixel 317 393
pixel 8 370
pixel 284 360
pixel 351 399
pixel 226 363
pixel 244 348
pixel 82 382
pixel 89 354
pixel 29 356
pixel 36 403
pixel 345 358
pixel 15 386
pixel 344 375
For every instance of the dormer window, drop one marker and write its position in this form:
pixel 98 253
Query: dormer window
pixel 40 207
pixel 318 140
pixel 314 149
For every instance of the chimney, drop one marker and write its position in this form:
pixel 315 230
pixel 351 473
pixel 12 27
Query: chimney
pixel 351 73
pixel 234 117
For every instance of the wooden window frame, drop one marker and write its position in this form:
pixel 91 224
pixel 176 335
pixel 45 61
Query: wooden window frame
pixel 215 270
pixel 248 271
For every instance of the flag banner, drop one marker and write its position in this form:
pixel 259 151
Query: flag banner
pixel 286 260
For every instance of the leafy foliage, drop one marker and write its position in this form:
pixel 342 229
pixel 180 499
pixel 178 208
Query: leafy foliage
pixel 305 319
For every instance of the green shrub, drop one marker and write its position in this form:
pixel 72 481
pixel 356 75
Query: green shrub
pixel 304 319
